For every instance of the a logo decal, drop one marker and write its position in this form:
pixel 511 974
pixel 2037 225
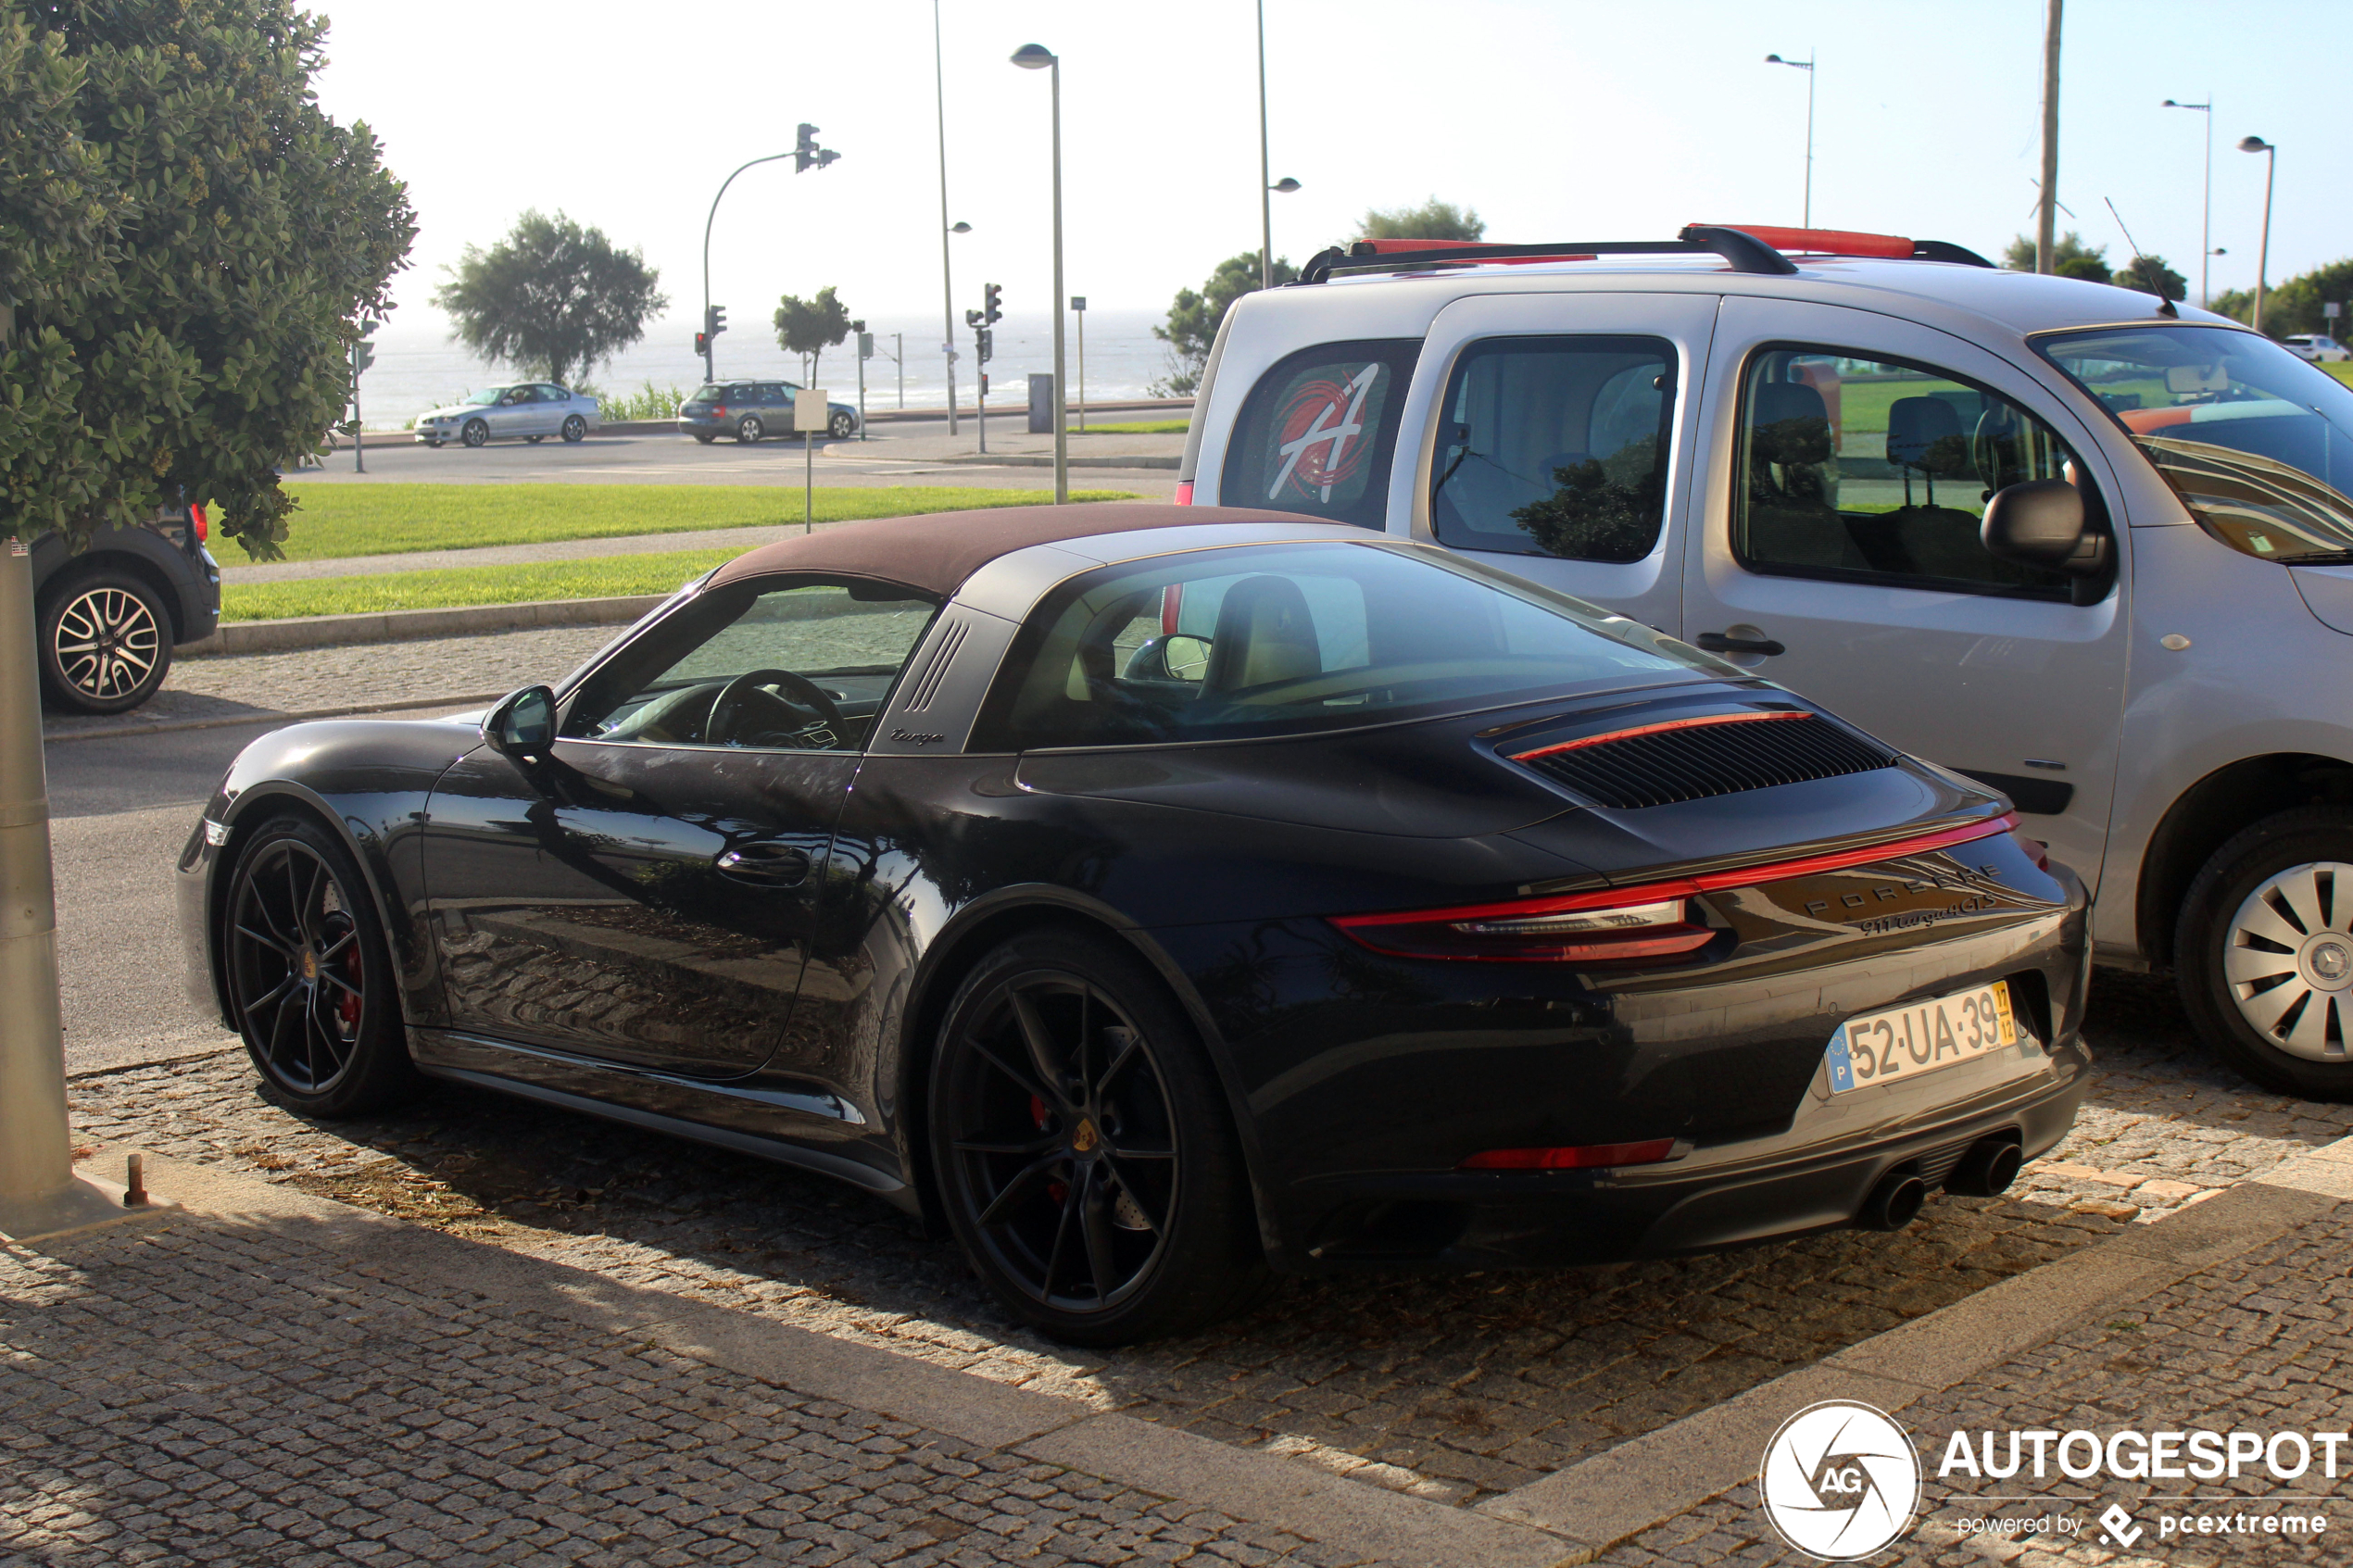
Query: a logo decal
pixel 2117 1525
pixel 1321 434
pixel 913 737
pixel 1840 1480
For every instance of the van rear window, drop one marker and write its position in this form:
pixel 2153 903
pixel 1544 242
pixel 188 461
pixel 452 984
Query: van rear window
pixel 1318 431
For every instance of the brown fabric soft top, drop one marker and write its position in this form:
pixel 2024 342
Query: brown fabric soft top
pixel 937 551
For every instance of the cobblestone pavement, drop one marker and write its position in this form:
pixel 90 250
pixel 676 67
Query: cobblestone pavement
pixel 2257 1344
pixel 256 685
pixel 1451 1388
pixel 214 1393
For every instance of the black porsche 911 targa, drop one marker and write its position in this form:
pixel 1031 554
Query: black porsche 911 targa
pixel 1159 896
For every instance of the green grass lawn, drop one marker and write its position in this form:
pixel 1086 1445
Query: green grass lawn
pixel 592 577
pixel 1136 427
pixel 2342 370
pixel 380 519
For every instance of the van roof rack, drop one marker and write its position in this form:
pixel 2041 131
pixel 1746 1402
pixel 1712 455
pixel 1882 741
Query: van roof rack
pixel 1753 249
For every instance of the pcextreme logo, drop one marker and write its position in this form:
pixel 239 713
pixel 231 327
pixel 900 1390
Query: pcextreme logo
pixel 1840 1480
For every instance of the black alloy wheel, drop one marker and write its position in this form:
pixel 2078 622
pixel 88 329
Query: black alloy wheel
pixel 576 430
pixel 476 433
pixel 2264 953
pixel 841 427
pixel 106 643
pixel 311 983
pixel 748 430
pixel 1084 1150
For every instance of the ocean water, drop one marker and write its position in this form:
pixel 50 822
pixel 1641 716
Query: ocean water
pixel 418 367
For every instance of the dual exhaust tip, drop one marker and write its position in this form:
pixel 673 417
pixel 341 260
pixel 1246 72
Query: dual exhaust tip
pixel 1986 1168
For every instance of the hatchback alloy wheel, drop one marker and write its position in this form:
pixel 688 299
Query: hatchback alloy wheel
pixel 106 642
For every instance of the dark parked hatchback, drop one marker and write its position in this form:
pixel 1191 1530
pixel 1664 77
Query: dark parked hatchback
pixel 753 410
pixel 110 615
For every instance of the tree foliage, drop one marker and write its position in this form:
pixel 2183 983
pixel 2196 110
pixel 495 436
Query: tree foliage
pixel 2019 256
pixel 2294 306
pixel 1433 220
pixel 187 245
pixel 1192 328
pixel 552 299
pixel 809 327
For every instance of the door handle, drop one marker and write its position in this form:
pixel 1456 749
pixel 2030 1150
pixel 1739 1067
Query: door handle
pixel 1716 642
pixel 764 865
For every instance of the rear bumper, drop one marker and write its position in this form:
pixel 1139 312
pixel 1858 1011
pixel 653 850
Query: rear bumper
pixel 1462 1219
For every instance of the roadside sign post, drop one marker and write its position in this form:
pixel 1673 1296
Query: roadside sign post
pixel 808 418
pixel 363 354
pixel 1078 304
pixel 899 341
pixel 865 352
pixel 2331 311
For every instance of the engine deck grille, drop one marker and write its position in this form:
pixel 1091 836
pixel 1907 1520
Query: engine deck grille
pixel 1694 758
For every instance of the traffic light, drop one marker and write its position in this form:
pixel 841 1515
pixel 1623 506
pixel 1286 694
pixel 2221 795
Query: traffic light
pixel 972 317
pixel 807 154
pixel 714 319
pixel 991 299
pixel 987 345
pixel 363 354
pixel 702 344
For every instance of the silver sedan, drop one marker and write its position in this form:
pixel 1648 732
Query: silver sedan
pixel 534 410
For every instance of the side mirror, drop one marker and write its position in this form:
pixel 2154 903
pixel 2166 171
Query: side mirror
pixel 524 724
pixel 2042 522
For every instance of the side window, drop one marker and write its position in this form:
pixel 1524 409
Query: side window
pixel 742 393
pixel 1556 447
pixel 800 665
pixel 1874 469
pixel 550 394
pixel 1318 431
pixel 772 393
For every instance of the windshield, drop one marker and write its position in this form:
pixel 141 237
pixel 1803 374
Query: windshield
pixel 487 396
pixel 2258 443
pixel 1271 640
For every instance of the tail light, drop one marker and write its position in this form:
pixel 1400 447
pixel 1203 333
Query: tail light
pixel 719 410
pixel 1614 924
pixel 196 520
pixel 1576 1157
pixel 1184 492
pixel 2036 852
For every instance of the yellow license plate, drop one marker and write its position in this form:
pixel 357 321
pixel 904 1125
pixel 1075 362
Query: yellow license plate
pixel 1886 1047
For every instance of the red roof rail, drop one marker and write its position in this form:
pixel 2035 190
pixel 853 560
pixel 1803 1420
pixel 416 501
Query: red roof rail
pixel 1850 241
pixel 1758 250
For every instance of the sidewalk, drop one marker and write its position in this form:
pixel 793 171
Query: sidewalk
pixel 270 1378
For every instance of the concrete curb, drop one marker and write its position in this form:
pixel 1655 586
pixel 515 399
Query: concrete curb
pixel 265 716
pixel 1259 1488
pixel 408 625
pixel 1036 460
pixel 1638 1484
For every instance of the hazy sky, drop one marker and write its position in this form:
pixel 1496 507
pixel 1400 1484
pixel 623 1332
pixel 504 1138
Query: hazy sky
pixel 1569 119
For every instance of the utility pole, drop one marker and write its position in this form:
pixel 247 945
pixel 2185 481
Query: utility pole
pixel 363 354
pixel 1266 171
pixel 2047 213
pixel 1078 305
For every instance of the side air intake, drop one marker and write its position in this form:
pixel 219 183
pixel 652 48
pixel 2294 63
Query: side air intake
pixel 1694 758
pixel 935 670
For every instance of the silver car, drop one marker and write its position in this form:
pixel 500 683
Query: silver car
pixel 533 410
pixel 2087 548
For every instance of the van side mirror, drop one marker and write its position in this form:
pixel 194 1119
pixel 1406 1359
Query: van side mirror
pixel 2042 522
pixel 522 726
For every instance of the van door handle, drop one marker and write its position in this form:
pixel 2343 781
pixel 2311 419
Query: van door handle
pixel 1716 642
pixel 764 865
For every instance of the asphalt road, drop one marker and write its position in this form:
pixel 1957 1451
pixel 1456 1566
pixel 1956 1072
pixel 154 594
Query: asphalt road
pixel 908 452
pixel 120 808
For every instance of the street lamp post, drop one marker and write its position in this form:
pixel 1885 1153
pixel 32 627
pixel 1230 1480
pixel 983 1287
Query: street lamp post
pixel 1282 187
pixel 2263 256
pixel 1037 57
pixel 947 282
pixel 807 155
pixel 1807 67
pixel 1270 186
pixel 2206 223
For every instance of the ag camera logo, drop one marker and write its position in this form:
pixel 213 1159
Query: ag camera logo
pixel 1840 1480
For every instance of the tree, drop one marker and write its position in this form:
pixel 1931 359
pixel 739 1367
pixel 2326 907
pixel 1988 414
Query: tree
pixel 1193 319
pixel 2294 306
pixel 551 298
pixel 2070 250
pixel 188 245
pixel 809 327
pixel 2149 274
pixel 1434 220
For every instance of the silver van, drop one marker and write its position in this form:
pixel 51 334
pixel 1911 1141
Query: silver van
pixel 2066 538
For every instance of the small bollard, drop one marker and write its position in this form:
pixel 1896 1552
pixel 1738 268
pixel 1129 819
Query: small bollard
pixel 134 1183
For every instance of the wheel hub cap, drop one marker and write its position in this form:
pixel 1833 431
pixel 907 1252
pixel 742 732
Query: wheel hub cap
pixel 1085 1139
pixel 309 964
pixel 2288 959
